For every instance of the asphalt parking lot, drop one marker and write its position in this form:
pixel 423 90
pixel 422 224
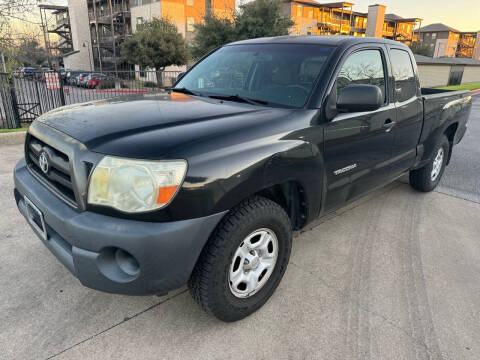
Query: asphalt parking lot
pixel 394 275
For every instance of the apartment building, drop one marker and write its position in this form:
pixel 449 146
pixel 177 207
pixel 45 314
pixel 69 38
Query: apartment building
pixel 183 13
pixel 97 28
pixel 339 18
pixel 445 41
pixel 400 29
pixel 109 24
pixel 469 45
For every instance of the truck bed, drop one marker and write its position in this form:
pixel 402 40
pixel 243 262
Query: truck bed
pixel 440 105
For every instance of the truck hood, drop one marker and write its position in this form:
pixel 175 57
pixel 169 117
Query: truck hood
pixel 138 125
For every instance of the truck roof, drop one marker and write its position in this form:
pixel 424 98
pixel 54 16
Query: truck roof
pixel 318 39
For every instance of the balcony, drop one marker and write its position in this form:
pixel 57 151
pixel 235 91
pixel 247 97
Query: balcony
pixel 108 39
pixel 105 14
pixel 467 42
pixel 334 25
pixel 389 31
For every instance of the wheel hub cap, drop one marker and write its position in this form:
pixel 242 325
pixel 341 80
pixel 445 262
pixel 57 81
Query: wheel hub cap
pixel 253 263
pixel 437 164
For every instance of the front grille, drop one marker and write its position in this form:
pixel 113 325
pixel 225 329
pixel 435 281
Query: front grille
pixel 58 177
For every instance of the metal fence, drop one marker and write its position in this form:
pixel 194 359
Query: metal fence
pixel 25 96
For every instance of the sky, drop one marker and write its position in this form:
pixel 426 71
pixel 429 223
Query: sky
pixel 463 15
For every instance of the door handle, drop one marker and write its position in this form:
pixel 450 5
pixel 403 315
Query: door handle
pixel 388 125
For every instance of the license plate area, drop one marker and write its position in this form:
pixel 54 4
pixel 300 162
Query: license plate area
pixel 35 218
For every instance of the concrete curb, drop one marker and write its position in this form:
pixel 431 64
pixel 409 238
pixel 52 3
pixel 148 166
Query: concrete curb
pixel 12 138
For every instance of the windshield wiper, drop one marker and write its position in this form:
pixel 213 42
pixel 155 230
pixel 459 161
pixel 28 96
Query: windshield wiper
pixel 183 90
pixel 239 98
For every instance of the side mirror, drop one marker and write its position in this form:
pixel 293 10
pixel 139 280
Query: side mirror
pixel 357 98
pixel 180 76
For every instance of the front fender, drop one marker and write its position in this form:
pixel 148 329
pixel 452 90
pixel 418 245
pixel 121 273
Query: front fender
pixel 276 163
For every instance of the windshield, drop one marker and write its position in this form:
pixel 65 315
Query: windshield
pixel 276 74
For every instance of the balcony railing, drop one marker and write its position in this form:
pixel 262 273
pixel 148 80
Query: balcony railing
pixel 388 31
pixel 105 13
pixel 62 21
pixel 467 42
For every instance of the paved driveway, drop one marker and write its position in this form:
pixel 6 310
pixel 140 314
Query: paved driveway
pixel 393 276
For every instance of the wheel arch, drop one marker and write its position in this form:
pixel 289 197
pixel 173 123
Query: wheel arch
pixel 290 195
pixel 450 132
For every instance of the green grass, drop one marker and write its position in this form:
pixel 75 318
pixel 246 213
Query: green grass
pixel 462 87
pixel 12 130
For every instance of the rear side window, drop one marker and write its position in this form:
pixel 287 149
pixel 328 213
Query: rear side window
pixel 363 67
pixel 402 68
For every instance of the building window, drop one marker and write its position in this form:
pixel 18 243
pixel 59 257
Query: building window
pixel 310 14
pixel 190 23
pixel 299 11
pixel 434 36
pixel 190 2
pixel 139 22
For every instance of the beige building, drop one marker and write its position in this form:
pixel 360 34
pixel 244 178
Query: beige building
pixel 434 72
pixel 76 19
pixel 97 29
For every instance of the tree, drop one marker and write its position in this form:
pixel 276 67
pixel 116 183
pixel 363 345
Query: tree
pixel 212 33
pixel 262 18
pixel 156 44
pixel 14 16
pixel 16 24
pixel 255 19
pixel 30 53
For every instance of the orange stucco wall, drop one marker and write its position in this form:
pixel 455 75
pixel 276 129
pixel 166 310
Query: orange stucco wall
pixel 179 10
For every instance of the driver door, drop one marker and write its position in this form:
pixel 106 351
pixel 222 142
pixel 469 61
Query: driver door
pixel 358 146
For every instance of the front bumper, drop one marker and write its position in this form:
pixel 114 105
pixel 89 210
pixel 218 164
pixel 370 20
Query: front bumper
pixel 115 255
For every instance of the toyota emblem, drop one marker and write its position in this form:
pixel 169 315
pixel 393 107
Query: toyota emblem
pixel 43 162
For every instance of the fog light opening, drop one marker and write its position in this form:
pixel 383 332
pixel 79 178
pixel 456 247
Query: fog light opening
pixel 118 265
pixel 126 262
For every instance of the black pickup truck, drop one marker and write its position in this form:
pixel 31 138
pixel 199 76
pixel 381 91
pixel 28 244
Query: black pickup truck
pixel 204 183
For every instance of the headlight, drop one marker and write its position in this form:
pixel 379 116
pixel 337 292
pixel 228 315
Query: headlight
pixel 135 185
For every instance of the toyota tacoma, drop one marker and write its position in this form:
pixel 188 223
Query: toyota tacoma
pixel 203 184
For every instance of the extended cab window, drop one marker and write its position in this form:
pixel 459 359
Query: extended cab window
pixel 405 82
pixel 363 67
pixel 279 74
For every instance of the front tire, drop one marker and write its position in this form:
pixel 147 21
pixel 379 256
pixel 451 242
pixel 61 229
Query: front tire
pixel 244 260
pixel 428 177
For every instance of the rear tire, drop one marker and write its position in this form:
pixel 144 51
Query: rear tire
pixel 253 239
pixel 428 177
